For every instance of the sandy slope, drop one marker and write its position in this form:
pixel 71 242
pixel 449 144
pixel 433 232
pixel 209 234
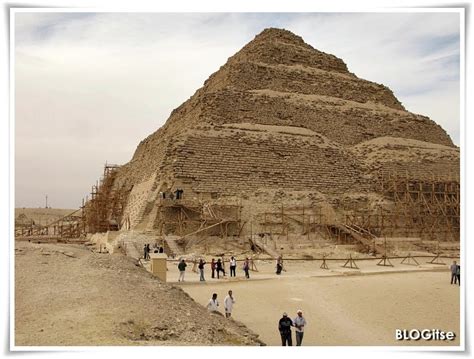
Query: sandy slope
pixel 67 295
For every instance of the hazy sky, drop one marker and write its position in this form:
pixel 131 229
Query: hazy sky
pixel 90 86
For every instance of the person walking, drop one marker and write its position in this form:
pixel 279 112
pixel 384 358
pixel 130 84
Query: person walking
pixel 232 265
pixel 148 251
pixel 246 268
pixel 279 265
pixel 201 269
pixel 228 304
pixel 284 326
pixel 144 252
pixel 182 268
pixel 454 269
pixel 219 268
pixel 213 267
pixel 213 305
pixel 299 323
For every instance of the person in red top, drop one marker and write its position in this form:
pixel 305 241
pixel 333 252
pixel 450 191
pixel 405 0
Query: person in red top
pixel 213 267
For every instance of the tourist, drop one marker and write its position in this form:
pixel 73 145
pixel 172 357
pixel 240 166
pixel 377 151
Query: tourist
pixel 454 269
pixel 182 268
pixel 246 268
pixel 284 326
pixel 228 304
pixel 279 265
pixel 299 323
pixel 232 265
pixel 201 269
pixel 213 267
pixel 219 268
pixel 144 252
pixel 148 251
pixel 213 304
pixel 458 274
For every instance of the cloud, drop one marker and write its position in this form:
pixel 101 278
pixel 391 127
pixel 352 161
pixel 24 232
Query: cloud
pixel 91 86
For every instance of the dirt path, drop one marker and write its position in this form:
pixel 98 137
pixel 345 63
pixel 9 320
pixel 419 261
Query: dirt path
pixel 67 295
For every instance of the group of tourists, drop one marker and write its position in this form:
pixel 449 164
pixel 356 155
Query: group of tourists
pixel 177 194
pixel 284 324
pixel 217 268
pixel 229 300
pixel 147 250
pixel 284 327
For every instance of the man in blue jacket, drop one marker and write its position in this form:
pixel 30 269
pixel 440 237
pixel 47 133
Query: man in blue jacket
pixel 284 326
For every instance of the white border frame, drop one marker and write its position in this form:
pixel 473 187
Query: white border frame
pixel 225 8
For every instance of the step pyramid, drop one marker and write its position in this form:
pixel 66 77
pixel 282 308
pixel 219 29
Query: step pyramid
pixel 282 122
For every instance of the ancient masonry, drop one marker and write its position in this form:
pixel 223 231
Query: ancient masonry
pixel 284 141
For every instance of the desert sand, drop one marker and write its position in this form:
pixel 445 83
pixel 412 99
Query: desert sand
pixel 70 295
pixel 341 309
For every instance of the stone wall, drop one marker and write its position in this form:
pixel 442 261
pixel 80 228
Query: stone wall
pixel 137 202
pixel 423 160
pixel 342 121
pixel 298 79
pixel 240 163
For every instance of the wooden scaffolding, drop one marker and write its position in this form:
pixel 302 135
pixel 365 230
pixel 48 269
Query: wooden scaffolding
pixel 310 223
pixel 416 206
pixel 68 226
pixel 191 221
pixel 103 211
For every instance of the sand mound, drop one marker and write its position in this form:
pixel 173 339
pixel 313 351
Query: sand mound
pixel 67 295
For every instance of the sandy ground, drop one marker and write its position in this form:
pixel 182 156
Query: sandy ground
pixel 67 295
pixel 364 308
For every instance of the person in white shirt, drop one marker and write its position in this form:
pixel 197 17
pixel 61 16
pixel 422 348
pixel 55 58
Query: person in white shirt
pixel 299 323
pixel 233 265
pixel 228 304
pixel 213 304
